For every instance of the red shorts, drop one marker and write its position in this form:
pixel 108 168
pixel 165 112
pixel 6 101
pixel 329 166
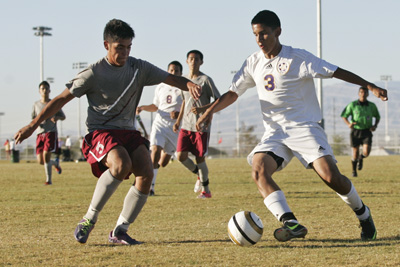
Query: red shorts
pixel 194 142
pixel 98 143
pixel 46 142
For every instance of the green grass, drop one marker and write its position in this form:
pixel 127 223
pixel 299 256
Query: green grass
pixel 37 222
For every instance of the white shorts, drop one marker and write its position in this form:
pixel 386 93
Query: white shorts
pixel 307 143
pixel 162 135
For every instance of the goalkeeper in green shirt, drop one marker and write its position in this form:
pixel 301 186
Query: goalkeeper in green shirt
pixel 364 120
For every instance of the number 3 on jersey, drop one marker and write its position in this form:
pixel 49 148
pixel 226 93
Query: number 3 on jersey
pixel 270 82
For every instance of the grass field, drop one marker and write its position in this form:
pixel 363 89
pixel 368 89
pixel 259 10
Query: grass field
pixel 37 222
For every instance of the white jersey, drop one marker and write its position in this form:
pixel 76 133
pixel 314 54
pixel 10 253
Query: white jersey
pixel 285 85
pixel 167 99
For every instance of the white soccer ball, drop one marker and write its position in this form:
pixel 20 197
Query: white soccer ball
pixel 245 228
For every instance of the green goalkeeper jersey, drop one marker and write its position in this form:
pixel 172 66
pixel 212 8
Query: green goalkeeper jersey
pixel 361 113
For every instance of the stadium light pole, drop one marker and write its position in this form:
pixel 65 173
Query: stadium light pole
pixel 1 114
pixel 79 66
pixel 386 79
pixel 42 31
pixel 237 123
pixel 319 54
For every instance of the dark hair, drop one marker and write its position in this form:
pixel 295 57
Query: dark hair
pixel 176 63
pixel 45 83
pixel 363 88
pixel 268 18
pixel 196 52
pixel 117 29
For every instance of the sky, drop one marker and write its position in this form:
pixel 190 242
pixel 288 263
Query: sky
pixel 358 35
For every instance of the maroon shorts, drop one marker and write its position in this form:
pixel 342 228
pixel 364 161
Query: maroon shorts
pixel 194 142
pixel 98 143
pixel 46 142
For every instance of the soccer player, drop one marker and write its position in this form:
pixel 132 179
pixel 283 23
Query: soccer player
pixel 167 103
pixel 113 86
pixel 191 139
pixel 364 120
pixel 47 139
pixel 283 77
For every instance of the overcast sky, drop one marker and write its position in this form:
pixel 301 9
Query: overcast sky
pixel 359 35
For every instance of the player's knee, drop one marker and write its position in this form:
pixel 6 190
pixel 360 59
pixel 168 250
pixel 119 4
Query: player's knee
pixel 120 169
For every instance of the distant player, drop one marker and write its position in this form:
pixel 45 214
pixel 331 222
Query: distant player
pixel 364 120
pixel 47 138
pixel 167 102
pixel 283 77
pixel 114 148
pixel 190 139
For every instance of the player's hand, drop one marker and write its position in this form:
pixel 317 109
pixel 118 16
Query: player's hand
pixel 194 90
pixel 174 114
pixel 204 121
pixel 175 128
pixel 197 110
pixel 23 133
pixel 351 126
pixel 138 110
pixel 379 92
pixel 372 129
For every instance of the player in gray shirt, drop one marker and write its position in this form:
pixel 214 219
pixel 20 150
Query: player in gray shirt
pixel 189 139
pixel 113 147
pixel 47 139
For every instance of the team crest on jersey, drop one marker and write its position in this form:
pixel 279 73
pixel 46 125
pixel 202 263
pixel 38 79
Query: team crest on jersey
pixel 283 67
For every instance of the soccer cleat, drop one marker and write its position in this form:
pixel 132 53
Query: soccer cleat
pixel 48 183
pixel 368 230
pixel 354 174
pixel 204 195
pixel 82 231
pixel 290 230
pixel 151 192
pixel 197 185
pixel 58 167
pixel 122 238
pixel 360 163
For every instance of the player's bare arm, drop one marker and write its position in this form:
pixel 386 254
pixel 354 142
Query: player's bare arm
pixel 198 110
pixel 224 101
pixel 350 77
pixel 149 108
pixel 177 124
pixel 184 84
pixel 48 111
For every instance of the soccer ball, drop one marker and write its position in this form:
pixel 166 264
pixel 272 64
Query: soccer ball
pixel 245 228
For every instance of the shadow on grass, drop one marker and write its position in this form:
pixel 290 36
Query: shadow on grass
pixel 299 243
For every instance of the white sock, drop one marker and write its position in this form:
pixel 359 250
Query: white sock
pixel 105 187
pixel 153 183
pixel 47 170
pixel 277 204
pixel 203 175
pixel 353 200
pixel 189 164
pixel 133 204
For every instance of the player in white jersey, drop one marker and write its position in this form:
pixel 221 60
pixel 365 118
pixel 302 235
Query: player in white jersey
pixel 283 77
pixel 167 102
pixel 47 139
pixel 113 147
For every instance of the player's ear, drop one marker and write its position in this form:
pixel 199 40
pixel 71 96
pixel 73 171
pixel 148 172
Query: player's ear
pixel 278 31
pixel 106 45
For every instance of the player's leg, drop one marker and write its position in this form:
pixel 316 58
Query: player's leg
pixel 327 169
pixel 354 159
pixel 136 197
pixel 119 165
pixel 203 178
pixel 264 164
pixel 366 148
pixel 155 158
pixel 183 147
